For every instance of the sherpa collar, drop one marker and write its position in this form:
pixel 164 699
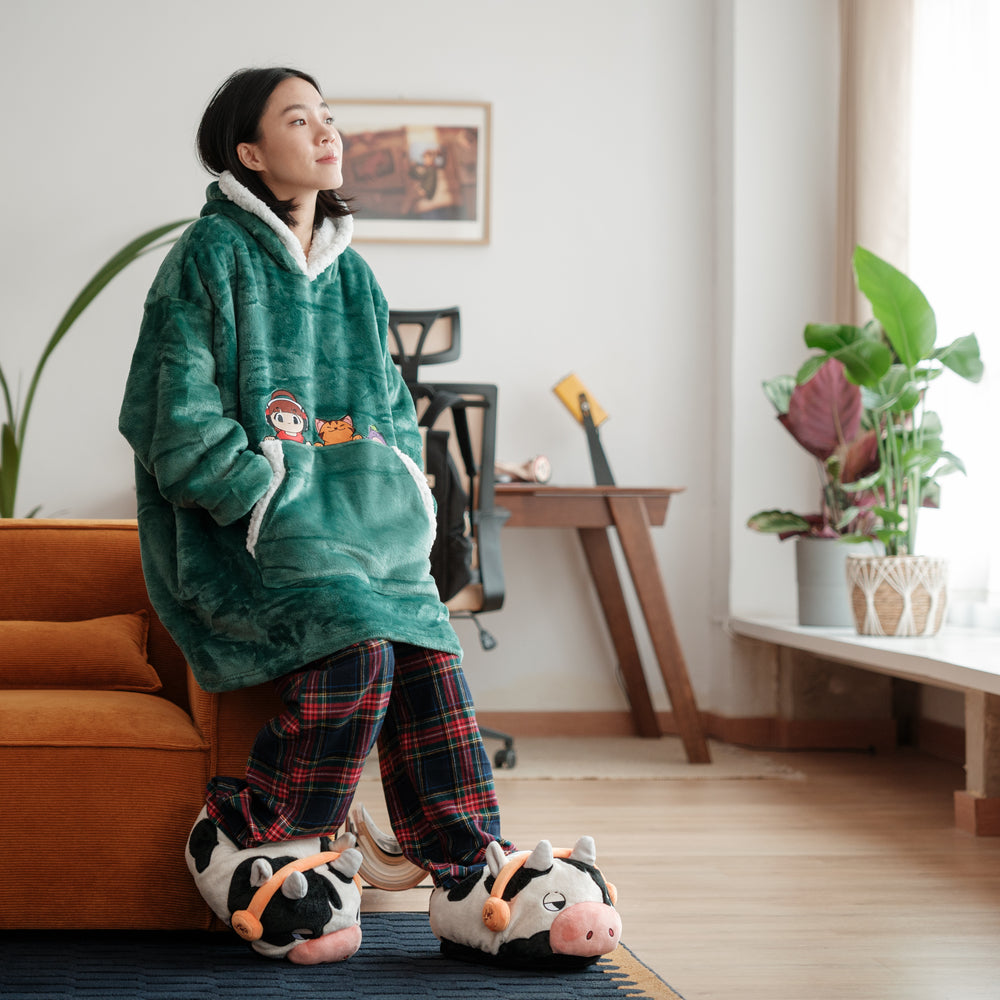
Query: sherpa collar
pixel 329 241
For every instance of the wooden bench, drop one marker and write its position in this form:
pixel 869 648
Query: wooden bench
pixel 959 658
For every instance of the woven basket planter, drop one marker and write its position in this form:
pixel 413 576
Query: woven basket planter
pixel 897 595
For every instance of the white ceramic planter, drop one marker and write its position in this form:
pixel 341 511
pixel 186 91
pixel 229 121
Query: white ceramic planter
pixel 897 595
pixel 822 585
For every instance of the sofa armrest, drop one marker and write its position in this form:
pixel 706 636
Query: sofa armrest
pixel 230 722
pixel 205 713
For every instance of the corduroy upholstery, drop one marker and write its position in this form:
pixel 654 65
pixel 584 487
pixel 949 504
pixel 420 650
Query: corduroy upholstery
pixel 99 789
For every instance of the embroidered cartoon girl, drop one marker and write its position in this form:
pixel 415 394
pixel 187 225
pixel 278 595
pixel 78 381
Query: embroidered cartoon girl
pixel 285 415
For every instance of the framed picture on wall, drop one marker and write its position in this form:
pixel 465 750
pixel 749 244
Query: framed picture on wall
pixel 416 172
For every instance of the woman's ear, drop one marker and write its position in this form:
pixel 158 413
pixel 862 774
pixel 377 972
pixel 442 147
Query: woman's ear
pixel 250 156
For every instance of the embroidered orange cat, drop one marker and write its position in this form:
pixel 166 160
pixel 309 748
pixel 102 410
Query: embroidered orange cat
pixel 336 431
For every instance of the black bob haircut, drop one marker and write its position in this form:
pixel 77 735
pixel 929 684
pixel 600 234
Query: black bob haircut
pixel 233 116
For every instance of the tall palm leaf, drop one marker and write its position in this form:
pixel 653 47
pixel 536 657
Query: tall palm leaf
pixel 14 428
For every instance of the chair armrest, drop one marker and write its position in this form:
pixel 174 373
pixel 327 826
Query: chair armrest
pixel 488 525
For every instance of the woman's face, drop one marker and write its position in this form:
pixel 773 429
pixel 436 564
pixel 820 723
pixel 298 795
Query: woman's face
pixel 298 152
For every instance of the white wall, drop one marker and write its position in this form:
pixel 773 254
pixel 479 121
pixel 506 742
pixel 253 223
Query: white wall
pixel 784 265
pixel 784 158
pixel 608 229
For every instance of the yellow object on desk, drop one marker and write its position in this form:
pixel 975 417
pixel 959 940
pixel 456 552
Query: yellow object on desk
pixel 569 391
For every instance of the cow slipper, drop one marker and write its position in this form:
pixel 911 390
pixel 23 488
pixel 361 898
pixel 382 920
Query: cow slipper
pixel 300 899
pixel 544 909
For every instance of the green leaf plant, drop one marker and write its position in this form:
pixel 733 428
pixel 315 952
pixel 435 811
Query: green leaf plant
pixel 13 431
pixel 894 360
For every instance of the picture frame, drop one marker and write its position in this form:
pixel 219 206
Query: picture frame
pixel 416 171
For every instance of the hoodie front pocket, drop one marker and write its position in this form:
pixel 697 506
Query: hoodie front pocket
pixel 360 509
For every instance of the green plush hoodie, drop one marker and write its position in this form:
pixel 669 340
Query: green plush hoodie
pixel 282 512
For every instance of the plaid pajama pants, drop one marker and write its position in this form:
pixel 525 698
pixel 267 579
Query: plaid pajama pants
pixel 305 764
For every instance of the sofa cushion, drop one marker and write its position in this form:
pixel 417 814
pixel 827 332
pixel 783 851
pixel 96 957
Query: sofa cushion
pixel 103 654
pixel 96 720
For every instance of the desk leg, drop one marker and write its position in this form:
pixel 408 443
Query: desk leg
pixel 632 524
pixel 604 573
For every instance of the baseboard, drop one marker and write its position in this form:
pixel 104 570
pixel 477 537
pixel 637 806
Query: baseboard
pixel 877 735
pixel 941 740
pixel 564 723
pixel 977 815
pixel 759 733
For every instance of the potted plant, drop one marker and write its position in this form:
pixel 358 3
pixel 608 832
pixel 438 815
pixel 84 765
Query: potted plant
pixel 13 429
pixel 822 411
pixel 894 359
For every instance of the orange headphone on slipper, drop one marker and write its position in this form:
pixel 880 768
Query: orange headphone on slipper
pixel 247 923
pixel 496 910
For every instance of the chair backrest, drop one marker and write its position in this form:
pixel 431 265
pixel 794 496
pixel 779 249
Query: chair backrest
pixel 424 337
pixel 475 406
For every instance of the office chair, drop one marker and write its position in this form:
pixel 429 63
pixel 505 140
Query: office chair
pixel 467 412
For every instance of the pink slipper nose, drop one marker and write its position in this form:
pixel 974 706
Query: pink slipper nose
pixel 333 947
pixel 586 929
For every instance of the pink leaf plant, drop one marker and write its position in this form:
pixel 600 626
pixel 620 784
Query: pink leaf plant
pixel 824 414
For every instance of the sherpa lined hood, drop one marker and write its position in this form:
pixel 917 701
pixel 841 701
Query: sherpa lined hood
pixel 328 243
pixel 283 514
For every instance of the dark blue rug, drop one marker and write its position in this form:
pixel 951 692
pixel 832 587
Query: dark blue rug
pixel 399 959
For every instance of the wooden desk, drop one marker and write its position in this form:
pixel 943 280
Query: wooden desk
pixel 591 510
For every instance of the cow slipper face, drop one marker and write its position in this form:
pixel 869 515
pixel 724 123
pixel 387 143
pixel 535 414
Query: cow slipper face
pixel 537 910
pixel 300 899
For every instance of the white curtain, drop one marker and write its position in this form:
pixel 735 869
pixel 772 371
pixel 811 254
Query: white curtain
pixel 874 160
pixel 919 184
pixel 954 226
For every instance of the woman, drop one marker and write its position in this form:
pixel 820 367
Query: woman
pixel 269 556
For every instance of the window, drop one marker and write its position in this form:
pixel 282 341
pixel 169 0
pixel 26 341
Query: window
pixel 955 258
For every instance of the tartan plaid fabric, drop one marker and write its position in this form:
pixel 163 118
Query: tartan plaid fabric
pixel 437 777
pixel 306 763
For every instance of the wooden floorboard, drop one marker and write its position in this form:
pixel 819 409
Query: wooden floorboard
pixel 851 883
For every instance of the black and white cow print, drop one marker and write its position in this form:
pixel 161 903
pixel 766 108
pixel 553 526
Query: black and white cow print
pixel 315 915
pixel 534 910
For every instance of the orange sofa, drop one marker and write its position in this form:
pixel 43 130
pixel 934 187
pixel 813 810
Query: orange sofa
pixel 106 742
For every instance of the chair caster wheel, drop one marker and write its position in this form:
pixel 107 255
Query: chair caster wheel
pixel 505 758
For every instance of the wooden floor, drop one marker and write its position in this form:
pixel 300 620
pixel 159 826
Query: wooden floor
pixel 852 883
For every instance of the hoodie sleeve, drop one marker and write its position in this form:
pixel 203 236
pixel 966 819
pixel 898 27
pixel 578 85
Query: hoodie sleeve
pixel 173 414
